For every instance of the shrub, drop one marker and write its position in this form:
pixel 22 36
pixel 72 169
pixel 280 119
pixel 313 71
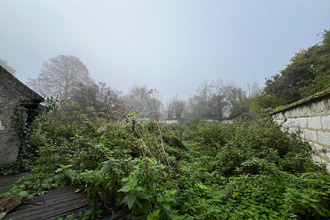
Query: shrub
pixel 250 169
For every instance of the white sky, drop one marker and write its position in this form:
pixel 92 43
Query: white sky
pixel 172 46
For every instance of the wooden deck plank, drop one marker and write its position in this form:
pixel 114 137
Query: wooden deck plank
pixel 60 202
pixel 55 196
pixel 7 180
pixel 47 211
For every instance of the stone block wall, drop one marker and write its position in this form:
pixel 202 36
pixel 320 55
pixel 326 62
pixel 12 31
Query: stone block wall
pixel 13 93
pixel 312 118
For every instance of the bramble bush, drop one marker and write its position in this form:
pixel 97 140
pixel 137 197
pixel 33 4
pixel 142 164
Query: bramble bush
pixel 249 169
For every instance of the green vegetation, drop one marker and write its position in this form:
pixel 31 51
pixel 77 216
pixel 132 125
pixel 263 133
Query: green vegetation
pixel 196 170
pixel 192 170
pixel 324 92
pixel 307 73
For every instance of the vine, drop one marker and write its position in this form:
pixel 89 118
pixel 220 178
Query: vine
pixel 22 120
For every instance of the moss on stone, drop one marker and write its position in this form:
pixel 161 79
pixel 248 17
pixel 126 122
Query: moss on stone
pixel 317 95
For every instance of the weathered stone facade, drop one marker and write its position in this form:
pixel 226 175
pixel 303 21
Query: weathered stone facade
pixel 312 118
pixel 14 95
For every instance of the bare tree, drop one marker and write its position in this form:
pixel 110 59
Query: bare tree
pixel 252 90
pixel 154 105
pixel 136 100
pixel 143 101
pixel 60 75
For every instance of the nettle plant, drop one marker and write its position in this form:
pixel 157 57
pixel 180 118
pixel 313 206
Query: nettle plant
pixel 197 170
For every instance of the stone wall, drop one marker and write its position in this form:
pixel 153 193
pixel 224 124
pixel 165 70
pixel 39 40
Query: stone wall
pixel 13 94
pixel 312 118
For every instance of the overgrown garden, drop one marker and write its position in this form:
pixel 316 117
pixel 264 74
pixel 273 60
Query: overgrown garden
pixel 194 169
pixel 199 170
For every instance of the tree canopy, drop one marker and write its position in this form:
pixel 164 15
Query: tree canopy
pixel 60 76
pixel 307 73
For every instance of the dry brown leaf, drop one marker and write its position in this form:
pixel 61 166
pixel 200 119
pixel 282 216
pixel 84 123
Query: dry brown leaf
pixel 8 204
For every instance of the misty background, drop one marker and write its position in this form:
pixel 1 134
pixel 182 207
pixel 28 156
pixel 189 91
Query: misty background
pixel 172 46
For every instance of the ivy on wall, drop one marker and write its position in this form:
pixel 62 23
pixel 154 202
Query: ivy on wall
pixel 22 120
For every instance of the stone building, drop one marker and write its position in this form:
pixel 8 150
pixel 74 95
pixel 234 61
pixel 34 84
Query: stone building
pixel 18 108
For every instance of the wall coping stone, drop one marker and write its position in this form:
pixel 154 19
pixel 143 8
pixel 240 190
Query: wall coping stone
pixel 310 99
pixel 7 77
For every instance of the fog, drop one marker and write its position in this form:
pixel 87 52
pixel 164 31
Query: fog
pixel 171 46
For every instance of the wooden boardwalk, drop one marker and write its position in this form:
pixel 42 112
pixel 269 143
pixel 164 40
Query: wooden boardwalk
pixel 10 179
pixel 60 202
